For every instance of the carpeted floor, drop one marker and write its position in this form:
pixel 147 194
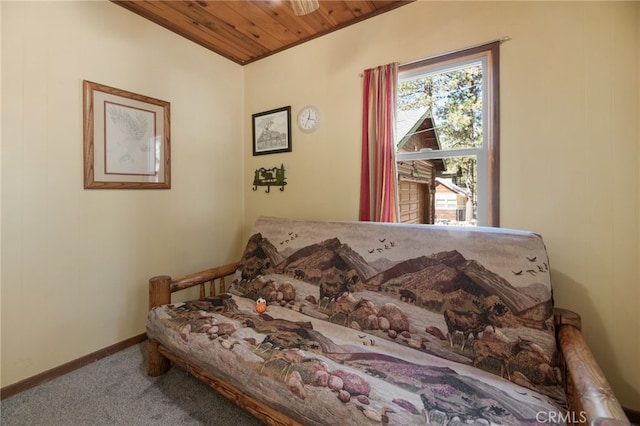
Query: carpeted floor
pixel 117 391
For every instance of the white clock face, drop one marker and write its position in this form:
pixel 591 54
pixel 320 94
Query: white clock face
pixel 308 119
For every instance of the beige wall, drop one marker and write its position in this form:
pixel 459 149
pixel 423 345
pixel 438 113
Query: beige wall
pixel 570 140
pixel 75 262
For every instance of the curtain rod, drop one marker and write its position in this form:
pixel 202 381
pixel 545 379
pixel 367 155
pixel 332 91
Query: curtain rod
pixel 407 64
pixel 500 40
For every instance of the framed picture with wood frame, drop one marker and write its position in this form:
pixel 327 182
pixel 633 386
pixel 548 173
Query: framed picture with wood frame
pixel 272 131
pixel 127 139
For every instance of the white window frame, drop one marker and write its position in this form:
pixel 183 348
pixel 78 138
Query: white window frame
pixel 487 156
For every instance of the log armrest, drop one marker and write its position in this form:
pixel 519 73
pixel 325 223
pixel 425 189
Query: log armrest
pixel 592 397
pixel 161 288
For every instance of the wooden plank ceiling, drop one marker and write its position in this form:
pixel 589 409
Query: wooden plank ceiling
pixel 246 31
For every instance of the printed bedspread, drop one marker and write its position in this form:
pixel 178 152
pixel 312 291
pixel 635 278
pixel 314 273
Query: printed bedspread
pixel 373 323
pixel 315 371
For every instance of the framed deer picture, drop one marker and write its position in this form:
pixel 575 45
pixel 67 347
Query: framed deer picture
pixel 272 131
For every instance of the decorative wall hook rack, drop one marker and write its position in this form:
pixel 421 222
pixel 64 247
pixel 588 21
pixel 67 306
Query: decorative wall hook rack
pixel 269 177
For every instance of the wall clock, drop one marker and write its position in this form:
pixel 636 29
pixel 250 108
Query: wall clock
pixel 309 119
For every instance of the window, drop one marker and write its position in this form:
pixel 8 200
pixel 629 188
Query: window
pixel 448 133
pixel 447 201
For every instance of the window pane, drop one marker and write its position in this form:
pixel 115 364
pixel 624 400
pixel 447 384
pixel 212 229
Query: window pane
pixel 456 192
pixel 453 99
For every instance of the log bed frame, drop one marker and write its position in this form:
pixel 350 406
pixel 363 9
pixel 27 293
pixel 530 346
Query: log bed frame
pixel 589 394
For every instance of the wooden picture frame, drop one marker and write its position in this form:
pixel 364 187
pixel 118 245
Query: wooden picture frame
pixel 127 139
pixel 272 131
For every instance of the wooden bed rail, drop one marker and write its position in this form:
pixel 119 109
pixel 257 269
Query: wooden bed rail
pixel 161 286
pixel 591 397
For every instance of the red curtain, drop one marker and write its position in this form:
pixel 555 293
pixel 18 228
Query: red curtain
pixel 378 181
